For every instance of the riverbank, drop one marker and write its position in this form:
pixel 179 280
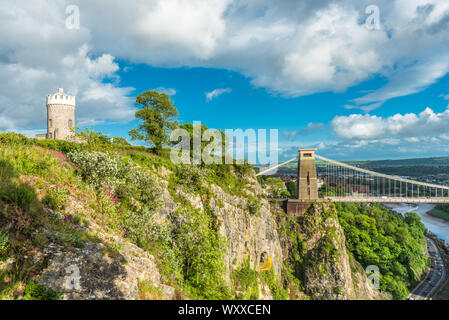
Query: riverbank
pixel 438 213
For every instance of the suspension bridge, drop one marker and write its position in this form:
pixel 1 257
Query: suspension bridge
pixel 341 182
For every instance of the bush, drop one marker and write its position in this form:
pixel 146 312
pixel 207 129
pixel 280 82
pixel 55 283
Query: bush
pixel 60 145
pixel 12 138
pixel 22 195
pixel 191 176
pixel 143 187
pixel 56 198
pixel 142 228
pixel 34 291
pixel 99 167
pixel 246 280
pixel 376 236
pixel 4 245
pixel 254 206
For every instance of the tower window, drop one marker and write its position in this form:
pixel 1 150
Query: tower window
pixel 50 123
pixel 70 123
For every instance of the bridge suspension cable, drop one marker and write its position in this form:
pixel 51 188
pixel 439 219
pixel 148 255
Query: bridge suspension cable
pixel 353 184
pixel 276 166
pixel 381 175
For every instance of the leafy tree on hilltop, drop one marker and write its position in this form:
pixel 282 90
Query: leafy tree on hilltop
pixel 214 143
pixel 157 114
pixel 120 141
pixel 92 137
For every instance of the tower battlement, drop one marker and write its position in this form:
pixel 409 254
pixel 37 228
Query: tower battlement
pixel 61 98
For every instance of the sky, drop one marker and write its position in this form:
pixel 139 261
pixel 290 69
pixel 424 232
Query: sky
pixel 357 80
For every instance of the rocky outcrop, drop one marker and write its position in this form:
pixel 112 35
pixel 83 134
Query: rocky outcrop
pixel 248 235
pixel 97 271
pixel 328 270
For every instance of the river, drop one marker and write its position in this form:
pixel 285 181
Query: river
pixel 437 226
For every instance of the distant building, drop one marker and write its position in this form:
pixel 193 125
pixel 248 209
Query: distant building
pixel 60 116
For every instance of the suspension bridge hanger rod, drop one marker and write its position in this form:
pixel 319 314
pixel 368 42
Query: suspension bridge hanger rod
pixel 381 175
pixel 276 166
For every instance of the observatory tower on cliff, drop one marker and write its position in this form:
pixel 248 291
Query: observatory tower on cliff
pixel 60 116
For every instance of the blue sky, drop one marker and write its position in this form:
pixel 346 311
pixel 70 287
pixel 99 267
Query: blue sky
pixel 246 106
pixel 356 80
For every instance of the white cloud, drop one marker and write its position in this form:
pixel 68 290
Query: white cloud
pixel 410 125
pixel 216 93
pixel 38 54
pixel 310 128
pixel 169 91
pixel 291 48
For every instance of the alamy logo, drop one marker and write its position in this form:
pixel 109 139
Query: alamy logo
pixel 72 21
pixel 217 147
pixel 373 275
pixel 372 22
pixel 73 277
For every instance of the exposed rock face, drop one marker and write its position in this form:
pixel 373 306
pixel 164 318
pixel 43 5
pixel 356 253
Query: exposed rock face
pixel 93 273
pixel 328 271
pixel 248 235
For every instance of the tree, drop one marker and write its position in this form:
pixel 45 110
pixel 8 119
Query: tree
pixel 215 141
pixel 157 114
pixel 120 141
pixel 291 187
pixel 91 137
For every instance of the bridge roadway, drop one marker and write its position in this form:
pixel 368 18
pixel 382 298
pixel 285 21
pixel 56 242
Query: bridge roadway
pixel 387 199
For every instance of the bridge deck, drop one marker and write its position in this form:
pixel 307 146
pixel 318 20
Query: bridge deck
pixel 390 199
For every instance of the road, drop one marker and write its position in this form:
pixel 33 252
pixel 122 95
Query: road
pixel 435 278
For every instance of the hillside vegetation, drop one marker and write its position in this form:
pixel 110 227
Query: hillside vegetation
pixel 164 231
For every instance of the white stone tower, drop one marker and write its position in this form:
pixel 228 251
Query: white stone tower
pixel 60 115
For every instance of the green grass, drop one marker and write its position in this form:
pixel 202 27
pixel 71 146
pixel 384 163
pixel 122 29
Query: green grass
pixel 439 214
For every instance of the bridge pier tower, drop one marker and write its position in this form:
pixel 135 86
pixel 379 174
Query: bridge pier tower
pixel 307 187
pixel 307 180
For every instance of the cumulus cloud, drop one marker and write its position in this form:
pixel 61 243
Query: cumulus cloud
pixel 38 54
pixel 289 47
pixel 169 91
pixel 410 125
pixel 216 93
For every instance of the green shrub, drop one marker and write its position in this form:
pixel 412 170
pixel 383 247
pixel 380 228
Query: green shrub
pixel 143 187
pixel 245 281
pixel 34 291
pixel 57 198
pixel 12 138
pixel 23 195
pixel 6 170
pixel 60 145
pixel 99 167
pixel 278 292
pixel 4 245
pixel 254 206
pixel 142 228
pixel 191 176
